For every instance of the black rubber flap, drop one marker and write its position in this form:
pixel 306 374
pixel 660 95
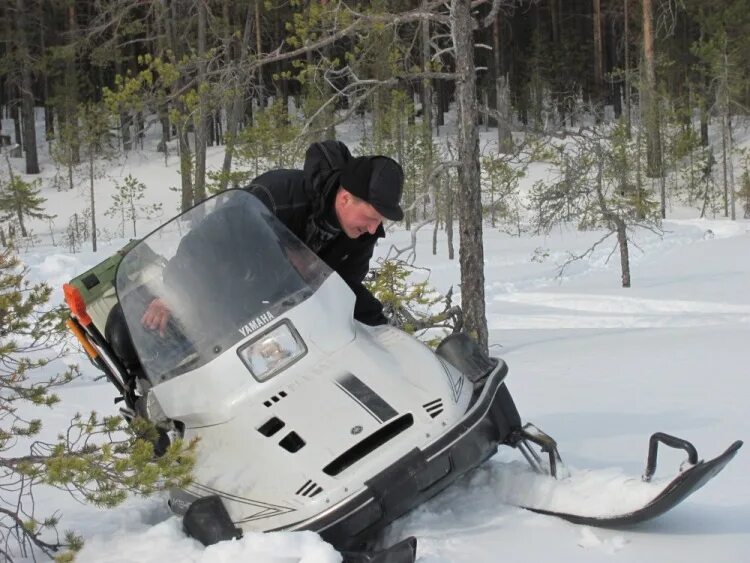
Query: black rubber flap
pixel 208 521
pixel 465 355
pixel 404 551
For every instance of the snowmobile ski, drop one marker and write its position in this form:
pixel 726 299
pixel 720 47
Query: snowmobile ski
pixel 677 490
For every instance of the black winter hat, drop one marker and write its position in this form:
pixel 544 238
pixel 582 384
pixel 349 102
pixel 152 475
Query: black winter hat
pixel 379 180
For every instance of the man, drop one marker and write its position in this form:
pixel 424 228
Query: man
pixel 336 206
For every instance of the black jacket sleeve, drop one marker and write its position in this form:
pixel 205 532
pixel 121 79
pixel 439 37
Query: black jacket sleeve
pixel 367 309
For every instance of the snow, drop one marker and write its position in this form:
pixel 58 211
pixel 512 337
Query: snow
pixel 596 366
pixel 600 368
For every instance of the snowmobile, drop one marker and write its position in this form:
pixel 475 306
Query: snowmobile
pixel 307 419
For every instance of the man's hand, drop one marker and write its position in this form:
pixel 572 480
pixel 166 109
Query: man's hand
pixel 157 316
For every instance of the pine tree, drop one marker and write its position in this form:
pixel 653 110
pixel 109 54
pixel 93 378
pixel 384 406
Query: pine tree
pixel 97 459
pixel 744 192
pixel 274 140
pixel 20 199
pixel 504 203
pixel 598 188
pixel 128 204
pixel 471 252
pixel 97 144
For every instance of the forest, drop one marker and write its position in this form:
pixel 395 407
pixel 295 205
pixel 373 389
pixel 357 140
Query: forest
pixel 634 104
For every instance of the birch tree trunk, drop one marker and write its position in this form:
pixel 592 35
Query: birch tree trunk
pixel 449 215
pixel 554 13
pixel 598 61
pixel 626 54
pixel 330 113
pixel 49 127
pixel 22 226
pixel 237 105
pixel 502 93
pixel 436 211
pixel 726 133
pixel 125 117
pixel 622 242
pixel 651 109
pixel 426 83
pixel 172 19
pixel 27 94
pixel 92 198
pixel 471 250
pixel 259 46
pixel 730 144
pixel 725 182
pixel 201 116
pixel 614 222
pixel 17 120
pixel 162 27
pixel 186 167
pixel 71 90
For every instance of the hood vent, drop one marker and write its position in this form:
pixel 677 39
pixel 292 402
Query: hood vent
pixel 275 399
pixel 369 445
pixel 271 426
pixel 292 442
pixel 309 489
pixel 434 408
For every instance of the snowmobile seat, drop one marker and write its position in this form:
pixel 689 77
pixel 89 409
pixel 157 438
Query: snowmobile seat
pixel 116 333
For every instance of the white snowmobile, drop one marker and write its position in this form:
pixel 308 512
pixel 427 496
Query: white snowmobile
pixel 307 419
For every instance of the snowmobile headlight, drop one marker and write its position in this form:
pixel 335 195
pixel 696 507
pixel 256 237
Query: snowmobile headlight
pixel 272 351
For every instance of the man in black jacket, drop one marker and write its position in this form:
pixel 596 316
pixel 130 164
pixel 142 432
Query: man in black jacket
pixel 336 206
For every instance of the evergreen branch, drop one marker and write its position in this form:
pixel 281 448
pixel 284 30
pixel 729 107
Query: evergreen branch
pixel 20 525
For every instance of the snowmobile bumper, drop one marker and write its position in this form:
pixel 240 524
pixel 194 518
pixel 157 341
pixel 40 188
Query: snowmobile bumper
pixel 422 473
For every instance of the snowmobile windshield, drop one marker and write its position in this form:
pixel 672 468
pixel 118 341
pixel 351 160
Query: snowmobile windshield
pixel 212 275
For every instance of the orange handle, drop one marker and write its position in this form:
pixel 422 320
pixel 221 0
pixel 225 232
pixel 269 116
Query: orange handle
pixel 76 330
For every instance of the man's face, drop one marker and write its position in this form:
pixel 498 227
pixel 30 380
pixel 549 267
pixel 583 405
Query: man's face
pixel 356 216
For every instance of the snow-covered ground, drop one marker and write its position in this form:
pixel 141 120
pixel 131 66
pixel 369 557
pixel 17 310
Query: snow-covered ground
pixel 596 366
pixel 600 368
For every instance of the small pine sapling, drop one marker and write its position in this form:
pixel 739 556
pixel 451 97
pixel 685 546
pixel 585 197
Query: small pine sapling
pixel 128 204
pixel 411 305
